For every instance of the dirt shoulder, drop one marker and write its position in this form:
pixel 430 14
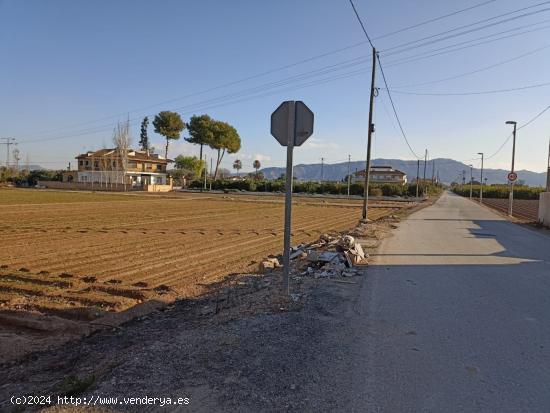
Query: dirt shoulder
pixel 242 346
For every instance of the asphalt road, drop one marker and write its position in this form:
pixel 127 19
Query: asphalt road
pixel 454 316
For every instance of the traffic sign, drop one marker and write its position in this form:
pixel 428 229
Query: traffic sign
pixel 512 177
pixel 292 120
pixel 291 125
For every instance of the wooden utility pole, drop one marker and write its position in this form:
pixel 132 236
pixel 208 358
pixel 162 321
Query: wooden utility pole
pixel 424 178
pixel 548 171
pixel 369 139
pixel 417 175
pixel 349 172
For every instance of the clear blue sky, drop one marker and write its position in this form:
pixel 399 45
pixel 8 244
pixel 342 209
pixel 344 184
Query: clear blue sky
pixel 71 69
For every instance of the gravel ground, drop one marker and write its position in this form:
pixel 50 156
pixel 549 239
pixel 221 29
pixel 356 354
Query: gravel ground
pixel 272 361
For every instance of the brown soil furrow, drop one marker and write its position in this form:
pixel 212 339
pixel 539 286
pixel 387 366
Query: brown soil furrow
pixel 220 255
pixel 84 251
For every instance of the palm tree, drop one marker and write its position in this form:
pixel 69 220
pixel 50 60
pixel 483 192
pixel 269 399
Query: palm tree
pixel 237 165
pixel 256 166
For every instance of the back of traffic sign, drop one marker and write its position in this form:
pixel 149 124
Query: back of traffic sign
pixel 292 122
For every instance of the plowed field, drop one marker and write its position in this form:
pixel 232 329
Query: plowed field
pixel 109 252
pixel 524 209
pixel 71 262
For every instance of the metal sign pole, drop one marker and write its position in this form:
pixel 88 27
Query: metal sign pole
pixel 288 197
pixel 291 125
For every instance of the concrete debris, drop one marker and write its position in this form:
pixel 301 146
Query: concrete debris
pixel 269 264
pixel 329 257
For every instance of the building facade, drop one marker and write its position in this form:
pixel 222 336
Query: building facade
pixel 135 168
pixel 382 175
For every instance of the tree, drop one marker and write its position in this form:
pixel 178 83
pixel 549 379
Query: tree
pixel 200 131
pixel 122 141
pixel 225 139
pixel 238 165
pixel 143 138
pixel 169 125
pixel 256 164
pixel 191 166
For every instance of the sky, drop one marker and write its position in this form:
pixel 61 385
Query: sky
pixel 72 69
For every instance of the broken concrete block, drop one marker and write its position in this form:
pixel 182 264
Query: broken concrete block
pixel 266 265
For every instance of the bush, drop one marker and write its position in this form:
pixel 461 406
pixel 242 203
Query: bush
pixel 498 191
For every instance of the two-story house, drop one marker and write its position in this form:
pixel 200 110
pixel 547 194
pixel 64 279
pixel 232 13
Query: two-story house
pixel 382 175
pixel 137 168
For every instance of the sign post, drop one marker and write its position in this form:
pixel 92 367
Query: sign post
pixel 291 125
pixel 512 177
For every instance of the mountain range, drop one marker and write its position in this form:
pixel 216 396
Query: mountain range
pixel 448 171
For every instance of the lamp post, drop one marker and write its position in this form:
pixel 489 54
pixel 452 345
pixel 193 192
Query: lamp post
pixel 511 203
pixel 481 179
pixel 471 180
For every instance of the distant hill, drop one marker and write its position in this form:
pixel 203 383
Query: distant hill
pixel 449 171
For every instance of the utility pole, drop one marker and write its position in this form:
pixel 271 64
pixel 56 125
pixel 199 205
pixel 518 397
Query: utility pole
pixel 349 172
pixel 433 170
pixel 481 179
pixel 205 172
pixel 548 171
pixel 322 165
pixel 463 179
pixel 424 179
pixel 211 174
pixel 511 202
pixel 471 180
pixel 369 139
pixel 417 175
pixel 8 142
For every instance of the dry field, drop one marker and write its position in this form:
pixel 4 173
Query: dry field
pixel 524 209
pixel 72 258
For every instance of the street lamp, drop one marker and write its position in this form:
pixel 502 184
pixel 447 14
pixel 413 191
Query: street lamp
pixel 511 203
pixel 471 179
pixel 481 179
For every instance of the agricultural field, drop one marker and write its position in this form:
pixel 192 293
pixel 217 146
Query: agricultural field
pixel 523 209
pixel 77 258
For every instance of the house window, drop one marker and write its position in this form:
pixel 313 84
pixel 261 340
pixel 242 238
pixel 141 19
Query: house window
pixel 81 163
pixel 132 164
pixel 87 163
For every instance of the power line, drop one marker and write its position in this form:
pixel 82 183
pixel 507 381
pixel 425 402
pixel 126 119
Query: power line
pixel 484 92
pixel 257 75
pixel 414 26
pixel 394 110
pixel 468 44
pixel 412 42
pixel 519 127
pixel 482 69
pixel 300 86
pixel 361 22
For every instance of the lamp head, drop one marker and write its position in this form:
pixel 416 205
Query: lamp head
pixel 511 122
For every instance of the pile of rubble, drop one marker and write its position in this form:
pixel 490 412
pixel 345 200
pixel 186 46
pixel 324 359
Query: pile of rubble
pixel 329 257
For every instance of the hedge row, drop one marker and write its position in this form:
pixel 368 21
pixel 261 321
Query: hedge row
pixel 499 191
pixel 332 188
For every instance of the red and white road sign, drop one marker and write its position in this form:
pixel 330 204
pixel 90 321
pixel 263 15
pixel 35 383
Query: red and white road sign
pixel 512 177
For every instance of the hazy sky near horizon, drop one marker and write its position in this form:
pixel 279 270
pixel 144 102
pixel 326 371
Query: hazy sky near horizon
pixel 71 69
